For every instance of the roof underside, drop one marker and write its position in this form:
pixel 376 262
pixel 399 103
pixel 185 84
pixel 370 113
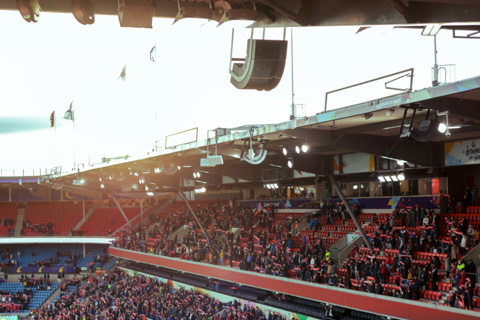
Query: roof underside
pixel 307 12
pixel 372 127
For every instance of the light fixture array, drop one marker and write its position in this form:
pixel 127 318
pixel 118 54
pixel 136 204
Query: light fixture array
pixel 290 162
pixel 392 177
pixel 200 190
pixel 303 148
pixel 271 186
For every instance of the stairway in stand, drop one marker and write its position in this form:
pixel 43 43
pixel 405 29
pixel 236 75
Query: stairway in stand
pixel 19 222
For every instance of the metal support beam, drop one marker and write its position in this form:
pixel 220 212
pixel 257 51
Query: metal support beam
pixel 181 195
pixel 394 147
pixel 350 211
pixel 121 210
pixel 461 107
pixel 290 15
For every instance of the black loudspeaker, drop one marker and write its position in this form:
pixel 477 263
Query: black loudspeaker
pixel 263 66
pixel 425 132
pixel 136 13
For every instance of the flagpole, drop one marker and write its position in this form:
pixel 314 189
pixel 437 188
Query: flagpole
pixel 74 147
pixel 55 136
pixel 156 76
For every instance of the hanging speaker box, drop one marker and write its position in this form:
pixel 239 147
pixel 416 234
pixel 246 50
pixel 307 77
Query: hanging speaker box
pixel 263 66
pixel 136 13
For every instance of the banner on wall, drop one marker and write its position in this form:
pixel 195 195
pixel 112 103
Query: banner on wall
pixel 302 174
pixel 279 204
pixel 64 269
pixel 462 152
pixel 354 163
pixel 428 202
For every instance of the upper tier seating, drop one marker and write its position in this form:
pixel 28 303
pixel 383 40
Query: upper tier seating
pixel 105 221
pixel 8 215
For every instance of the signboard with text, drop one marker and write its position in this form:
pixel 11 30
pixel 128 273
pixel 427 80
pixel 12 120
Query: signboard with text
pixel 462 152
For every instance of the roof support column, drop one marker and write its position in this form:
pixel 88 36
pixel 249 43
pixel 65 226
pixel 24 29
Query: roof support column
pixel 350 211
pixel 181 195
pixel 121 211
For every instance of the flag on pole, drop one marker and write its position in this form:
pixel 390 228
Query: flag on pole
pixel 69 113
pixel 123 74
pixel 52 119
pixel 153 53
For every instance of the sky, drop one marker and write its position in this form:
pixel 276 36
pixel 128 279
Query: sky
pixel 47 65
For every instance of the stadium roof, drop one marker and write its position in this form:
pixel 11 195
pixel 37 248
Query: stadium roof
pixel 391 127
pixel 298 12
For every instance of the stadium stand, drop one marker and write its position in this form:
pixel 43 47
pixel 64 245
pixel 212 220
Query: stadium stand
pixel 105 221
pixel 8 214
pixel 260 249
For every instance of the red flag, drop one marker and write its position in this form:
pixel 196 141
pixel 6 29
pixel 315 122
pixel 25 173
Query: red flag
pixel 52 119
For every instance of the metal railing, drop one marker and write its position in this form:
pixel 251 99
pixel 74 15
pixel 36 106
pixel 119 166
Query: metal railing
pixel 407 73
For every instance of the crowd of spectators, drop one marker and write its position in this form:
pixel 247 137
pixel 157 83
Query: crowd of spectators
pixel 121 296
pixel 408 230
pixel 10 299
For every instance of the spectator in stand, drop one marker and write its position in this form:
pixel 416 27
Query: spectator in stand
pixel 448 266
pixel 463 245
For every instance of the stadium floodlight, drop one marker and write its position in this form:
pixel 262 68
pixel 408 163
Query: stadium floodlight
pixel 305 148
pixel 394 178
pixel 297 149
pixel 275 185
pixel 355 187
pixel 290 163
pixel 381 178
pixel 442 127
pixel 401 176
pixel 388 179
pixel 285 151
pixel 401 162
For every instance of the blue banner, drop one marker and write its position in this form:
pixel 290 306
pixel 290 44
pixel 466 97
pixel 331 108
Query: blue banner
pixel 43 270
